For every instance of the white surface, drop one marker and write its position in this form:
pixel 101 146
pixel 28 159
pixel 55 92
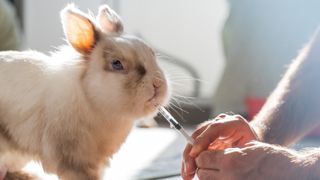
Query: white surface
pixel 137 153
pixel 140 149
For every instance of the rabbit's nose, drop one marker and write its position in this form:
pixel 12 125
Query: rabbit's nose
pixel 157 83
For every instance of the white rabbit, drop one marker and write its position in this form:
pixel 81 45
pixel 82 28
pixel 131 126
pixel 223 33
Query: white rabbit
pixel 73 110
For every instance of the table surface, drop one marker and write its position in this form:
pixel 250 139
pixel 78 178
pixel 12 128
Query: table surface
pixel 153 153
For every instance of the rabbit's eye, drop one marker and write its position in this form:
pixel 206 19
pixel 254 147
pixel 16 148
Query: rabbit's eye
pixel 117 65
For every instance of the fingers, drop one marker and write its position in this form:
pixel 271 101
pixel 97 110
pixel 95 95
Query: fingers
pixel 188 162
pixel 235 163
pixel 219 145
pixel 187 175
pixel 200 130
pixel 210 134
pixel 221 163
pixel 208 163
pixel 209 160
pixel 223 132
pixel 203 141
pixel 231 128
pixel 204 125
pixel 188 168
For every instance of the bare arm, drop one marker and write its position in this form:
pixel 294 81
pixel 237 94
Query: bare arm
pixel 293 109
pixel 312 157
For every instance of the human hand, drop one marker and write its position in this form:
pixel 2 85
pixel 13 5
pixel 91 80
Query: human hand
pixel 255 161
pixel 223 132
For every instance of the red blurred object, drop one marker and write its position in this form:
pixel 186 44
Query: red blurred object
pixel 254 104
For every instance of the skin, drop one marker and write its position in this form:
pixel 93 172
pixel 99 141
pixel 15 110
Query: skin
pixel 256 161
pixel 227 148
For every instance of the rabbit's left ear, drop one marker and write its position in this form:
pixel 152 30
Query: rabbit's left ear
pixel 109 20
pixel 79 29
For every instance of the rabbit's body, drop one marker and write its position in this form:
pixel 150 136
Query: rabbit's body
pixel 36 94
pixel 73 110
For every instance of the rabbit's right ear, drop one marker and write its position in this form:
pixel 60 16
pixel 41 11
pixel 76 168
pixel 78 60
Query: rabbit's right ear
pixel 79 29
pixel 109 20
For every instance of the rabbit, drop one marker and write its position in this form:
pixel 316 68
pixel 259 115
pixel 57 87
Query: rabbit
pixel 71 110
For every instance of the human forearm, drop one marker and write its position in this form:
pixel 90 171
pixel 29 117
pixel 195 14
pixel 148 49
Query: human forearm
pixel 294 107
pixel 308 163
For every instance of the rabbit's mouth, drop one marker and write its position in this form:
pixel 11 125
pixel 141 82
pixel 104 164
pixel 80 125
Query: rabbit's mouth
pixel 158 97
pixel 153 97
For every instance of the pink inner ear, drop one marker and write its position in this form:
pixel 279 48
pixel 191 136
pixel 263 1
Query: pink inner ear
pixel 80 32
pixel 108 27
pixel 109 21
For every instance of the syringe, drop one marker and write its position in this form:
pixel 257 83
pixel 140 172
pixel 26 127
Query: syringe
pixel 173 123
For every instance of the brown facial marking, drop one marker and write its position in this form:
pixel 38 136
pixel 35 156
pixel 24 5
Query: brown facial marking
pixel 4 133
pixel 107 56
pixel 96 37
pixel 141 70
pixel 131 85
pixel 106 66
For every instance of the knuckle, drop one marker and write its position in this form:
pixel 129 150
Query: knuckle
pixel 205 123
pixel 214 126
pixel 241 121
pixel 239 117
pixel 222 115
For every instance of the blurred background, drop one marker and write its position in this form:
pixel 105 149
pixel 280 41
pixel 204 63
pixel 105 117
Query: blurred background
pixel 221 55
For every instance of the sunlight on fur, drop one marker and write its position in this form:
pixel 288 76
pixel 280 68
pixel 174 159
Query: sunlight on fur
pixel 73 109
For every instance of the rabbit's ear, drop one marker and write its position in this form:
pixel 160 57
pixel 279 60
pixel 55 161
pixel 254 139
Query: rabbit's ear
pixel 109 20
pixel 79 29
